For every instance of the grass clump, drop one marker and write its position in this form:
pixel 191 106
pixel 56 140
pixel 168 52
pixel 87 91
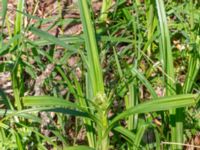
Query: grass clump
pixel 100 75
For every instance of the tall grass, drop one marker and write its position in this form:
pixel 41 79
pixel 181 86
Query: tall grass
pixel 94 76
pixel 114 99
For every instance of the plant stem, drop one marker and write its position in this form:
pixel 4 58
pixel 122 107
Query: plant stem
pixel 106 4
pixel 94 76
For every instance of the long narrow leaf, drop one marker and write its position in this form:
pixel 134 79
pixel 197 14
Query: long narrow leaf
pixel 167 62
pixel 79 148
pixel 139 136
pixel 46 36
pixel 94 69
pixel 4 11
pixel 145 82
pixel 125 132
pixel 47 101
pixel 159 104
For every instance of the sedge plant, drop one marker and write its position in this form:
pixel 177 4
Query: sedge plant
pixel 117 68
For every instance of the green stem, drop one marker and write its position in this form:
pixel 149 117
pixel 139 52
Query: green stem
pixel 104 9
pixel 105 140
pixel 150 24
pixel 94 76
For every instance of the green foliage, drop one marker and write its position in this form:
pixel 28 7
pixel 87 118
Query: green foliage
pixel 124 82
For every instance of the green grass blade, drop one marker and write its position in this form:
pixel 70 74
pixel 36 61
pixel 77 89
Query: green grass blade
pixel 94 69
pixel 150 22
pixel 29 16
pixel 4 12
pixel 18 26
pixel 106 4
pixel 2 125
pixel 19 17
pixel 117 63
pixel 18 141
pixel 48 37
pixel 79 148
pixel 89 125
pixel 159 104
pixel 145 82
pixel 132 100
pixel 166 51
pixel 15 85
pixel 6 48
pixel 47 101
pixel 57 109
pixel 60 137
pixel 94 76
pixel 10 113
pixel 3 17
pixel 45 138
pixel 157 136
pixel 139 136
pixel 125 132
pixel 193 68
pixel 55 104
pixel 167 62
pixel 16 74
